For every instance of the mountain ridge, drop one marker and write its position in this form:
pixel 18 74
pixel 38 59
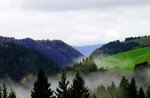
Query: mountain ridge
pixel 61 57
pixel 117 46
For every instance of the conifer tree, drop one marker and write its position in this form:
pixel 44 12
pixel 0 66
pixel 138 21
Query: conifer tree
pixel 78 88
pixel 148 92
pixel 112 90
pixel 4 91
pixel 101 91
pixel 62 90
pixel 124 83
pixel 141 93
pixel 123 88
pixel 12 94
pixel 41 87
pixel 132 89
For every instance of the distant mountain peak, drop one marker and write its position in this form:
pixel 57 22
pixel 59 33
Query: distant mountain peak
pixel 88 49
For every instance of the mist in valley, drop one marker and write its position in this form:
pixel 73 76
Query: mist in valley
pixel 93 80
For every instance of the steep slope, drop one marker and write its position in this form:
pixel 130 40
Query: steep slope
pixel 17 61
pixel 63 53
pixel 124 62
pixel 87 50
pixel 114 48
pixel 118 47
pixel 58 51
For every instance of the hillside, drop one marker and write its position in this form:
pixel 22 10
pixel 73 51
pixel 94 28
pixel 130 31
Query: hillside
pixel 56 50
pixel 124 62
pixel 145 41
pixel 86 65
pixel 63 53
pixel 115 47
pixel 17 61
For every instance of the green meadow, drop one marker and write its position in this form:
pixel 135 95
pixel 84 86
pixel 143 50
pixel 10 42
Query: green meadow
pixel 125 61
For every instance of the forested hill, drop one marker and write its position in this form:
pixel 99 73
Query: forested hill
pixel 17 61
pixel 63 52
pixel 118 47
pixel 56 50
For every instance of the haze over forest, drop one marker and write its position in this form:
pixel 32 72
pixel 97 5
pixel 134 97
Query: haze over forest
pixel 74 48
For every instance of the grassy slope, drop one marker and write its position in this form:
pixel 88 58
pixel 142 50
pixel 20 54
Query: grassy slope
pixel 125 61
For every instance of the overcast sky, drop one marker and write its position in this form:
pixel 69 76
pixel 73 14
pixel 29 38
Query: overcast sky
pixel 77 22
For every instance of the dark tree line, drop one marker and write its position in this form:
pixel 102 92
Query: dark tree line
pixel 132 38
pixel 124 90
pixel 78 89
pixel 141 66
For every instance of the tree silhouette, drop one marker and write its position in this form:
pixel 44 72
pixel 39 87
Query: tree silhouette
pixel 141 93
pixel 132 89
pixel 41 87
pixel 148 92
pixel 78 88
pixel 112 90
pixel 123 88
pixel 12 94
pixel 62 90
pixel 101 91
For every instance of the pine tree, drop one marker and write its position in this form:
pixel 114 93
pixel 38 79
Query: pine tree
pixel 112 90
pixel 141 93
pixel 132 89
pixel 148 92
pixel 12 94
pixel 41 87
pixel 4 91
pixel 62 90
pixel 124 83
pixel 123 88
pixel 101 91
pixel 78 88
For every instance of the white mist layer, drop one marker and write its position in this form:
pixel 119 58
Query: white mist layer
pixel 92 81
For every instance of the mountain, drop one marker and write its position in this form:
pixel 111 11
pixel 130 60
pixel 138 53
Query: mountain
pixel 58 51
pixel 125 61
pixel 87 50
pixel 118 47
pixel 17 61
pixel 62 52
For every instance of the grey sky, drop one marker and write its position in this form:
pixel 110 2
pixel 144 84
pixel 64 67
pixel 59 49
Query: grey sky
pixel 77 22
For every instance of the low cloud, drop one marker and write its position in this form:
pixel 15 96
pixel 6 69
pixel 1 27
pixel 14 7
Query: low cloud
pixel 63 5
pixel 92 81
pixel 93 22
